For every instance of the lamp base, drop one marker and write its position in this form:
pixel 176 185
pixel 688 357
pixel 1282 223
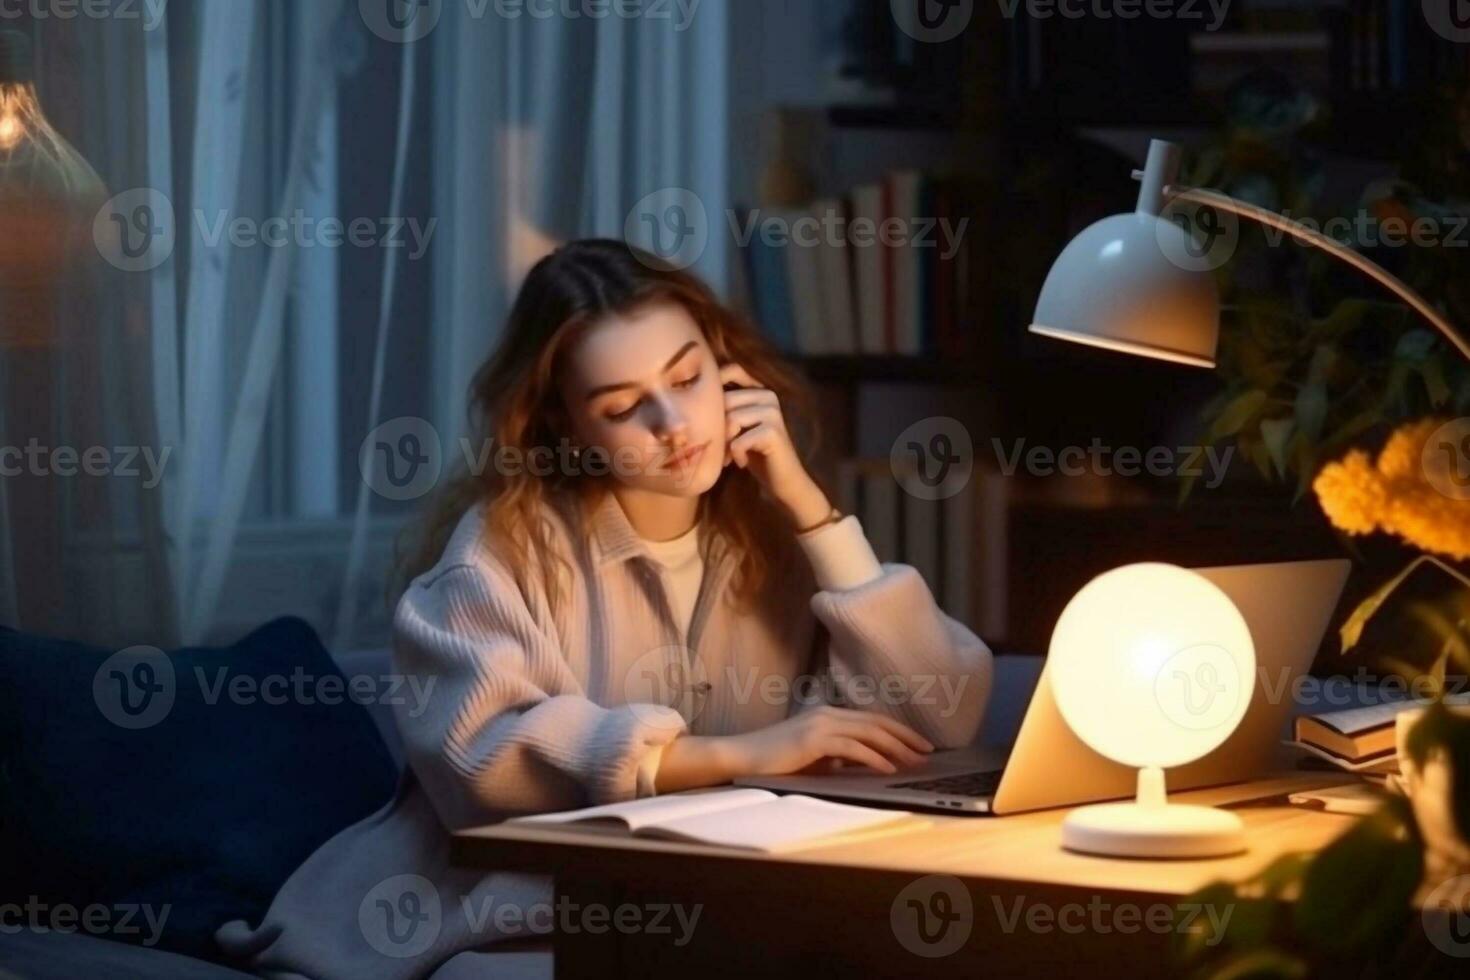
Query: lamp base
pixel 1153 830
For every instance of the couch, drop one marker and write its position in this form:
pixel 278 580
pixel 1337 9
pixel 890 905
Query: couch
pixel 210 840
pixel 205 810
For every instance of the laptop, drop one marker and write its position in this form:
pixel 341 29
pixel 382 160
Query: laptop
pixel 1287 606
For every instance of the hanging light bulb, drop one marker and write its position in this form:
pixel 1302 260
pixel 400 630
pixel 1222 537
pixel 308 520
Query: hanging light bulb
pixel 12 107
pixel 33 155
pixel 48 195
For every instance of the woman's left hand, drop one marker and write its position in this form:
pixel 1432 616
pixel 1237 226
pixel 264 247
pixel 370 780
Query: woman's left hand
pixel 756 440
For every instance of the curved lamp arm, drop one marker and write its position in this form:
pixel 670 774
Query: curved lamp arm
pixel 1330 245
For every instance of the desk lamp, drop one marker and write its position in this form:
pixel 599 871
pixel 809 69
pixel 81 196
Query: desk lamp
pixel 1152 665
pixel 1135 282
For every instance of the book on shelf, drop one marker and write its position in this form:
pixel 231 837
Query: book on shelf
pixel 769 290
pixel 803 273
pixel 885 253
pixel 1219 60
pixel 840 331
pixel 744 819
pixel 1395 46
pixel 867 271
pixel 904 195
pixel 880 270
pixel 935 537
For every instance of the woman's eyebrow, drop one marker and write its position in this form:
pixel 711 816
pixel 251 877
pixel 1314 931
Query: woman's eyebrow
pixel 604 389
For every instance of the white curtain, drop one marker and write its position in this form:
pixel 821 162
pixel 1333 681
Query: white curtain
pixel 183 351
pixel 537 130
pixel 546 129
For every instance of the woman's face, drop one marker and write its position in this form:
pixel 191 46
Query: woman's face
pixel 645 388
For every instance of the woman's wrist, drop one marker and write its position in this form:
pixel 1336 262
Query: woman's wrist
pixel 808 507
pixel 692 761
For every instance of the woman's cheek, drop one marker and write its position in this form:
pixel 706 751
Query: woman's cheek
pixel 634 454
pixel 628 454
pixel 615 435
pixel 713 411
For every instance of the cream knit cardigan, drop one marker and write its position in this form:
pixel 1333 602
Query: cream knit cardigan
pixel 534 711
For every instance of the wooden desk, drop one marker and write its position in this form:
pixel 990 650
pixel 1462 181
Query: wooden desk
pixel 853 908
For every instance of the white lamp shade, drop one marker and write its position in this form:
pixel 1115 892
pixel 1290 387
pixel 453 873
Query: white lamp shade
pixel 1120 285
pixel 1152 665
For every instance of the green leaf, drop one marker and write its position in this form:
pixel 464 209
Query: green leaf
pixel 1281 876
pixel 1443 625
pixel 1235 415
pixel 1393 389
pixel 1265 373
pixel 1193 940
pixel 1356 895
pixel 1305 460
pixel 1276 433
pixel 1352 628
pixel 1442 731
pixel 1255 450
pixel 1324 358
pixel 1311 409
pixel 1345 317
pixel 1437 671
pixel 1415 345
pixel 1349 431
pixel 1432 371
pixel 1254 918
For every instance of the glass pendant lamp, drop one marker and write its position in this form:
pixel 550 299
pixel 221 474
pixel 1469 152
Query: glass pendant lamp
pixel 48 197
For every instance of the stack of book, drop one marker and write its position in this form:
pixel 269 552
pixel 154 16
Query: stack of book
pixel 880 270
pixel 1361 739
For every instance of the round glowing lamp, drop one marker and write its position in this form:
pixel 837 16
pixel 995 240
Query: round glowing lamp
pixel 1152 665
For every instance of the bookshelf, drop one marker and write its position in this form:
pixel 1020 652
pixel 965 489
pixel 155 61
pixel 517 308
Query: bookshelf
pixel 1038 113
pixel 1041 121
pixel 1011 99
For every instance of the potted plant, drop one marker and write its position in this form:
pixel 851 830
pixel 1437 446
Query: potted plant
pixel 1366 903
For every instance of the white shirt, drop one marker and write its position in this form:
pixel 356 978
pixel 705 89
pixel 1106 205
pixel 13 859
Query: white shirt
pixel 683 571
pixel 841 559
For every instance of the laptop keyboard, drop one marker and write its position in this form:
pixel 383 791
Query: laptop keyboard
pixel 977 784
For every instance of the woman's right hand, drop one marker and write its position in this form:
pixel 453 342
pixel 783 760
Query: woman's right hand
pixel 805 740
pixel 873 740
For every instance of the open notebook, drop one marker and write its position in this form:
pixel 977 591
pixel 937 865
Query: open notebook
pixel 750 819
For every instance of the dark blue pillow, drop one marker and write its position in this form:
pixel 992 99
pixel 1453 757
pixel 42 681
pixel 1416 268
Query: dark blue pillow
pixel 198 793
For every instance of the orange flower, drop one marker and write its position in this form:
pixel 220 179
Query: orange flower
pixel 1395 496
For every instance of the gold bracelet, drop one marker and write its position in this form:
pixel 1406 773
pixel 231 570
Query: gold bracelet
pixel 831 518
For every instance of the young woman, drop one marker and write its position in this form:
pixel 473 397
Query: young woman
pixel 642 590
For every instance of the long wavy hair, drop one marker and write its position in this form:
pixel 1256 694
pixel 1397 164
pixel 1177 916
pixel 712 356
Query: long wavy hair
pixel 515 400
